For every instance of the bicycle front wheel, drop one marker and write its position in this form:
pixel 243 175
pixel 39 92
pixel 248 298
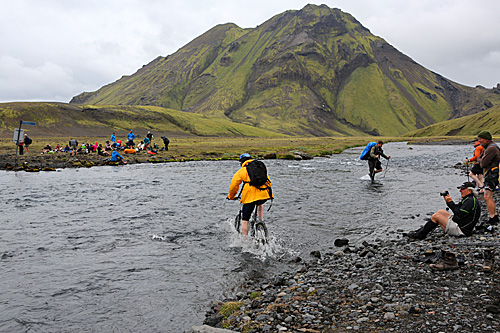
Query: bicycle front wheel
pixel 260 232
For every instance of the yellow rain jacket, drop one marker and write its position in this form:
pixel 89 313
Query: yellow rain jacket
pixel 250 193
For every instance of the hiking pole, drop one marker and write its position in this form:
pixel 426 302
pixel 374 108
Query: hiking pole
pixel 467 166
pixel 386 166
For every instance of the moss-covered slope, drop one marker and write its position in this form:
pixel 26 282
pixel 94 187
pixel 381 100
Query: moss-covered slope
pixel 465 126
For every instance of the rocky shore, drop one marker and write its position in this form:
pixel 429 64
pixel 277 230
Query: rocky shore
pixel 385 285
pixel 51 162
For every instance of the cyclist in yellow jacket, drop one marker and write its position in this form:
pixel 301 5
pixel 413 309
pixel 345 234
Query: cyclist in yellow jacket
pixel 251 196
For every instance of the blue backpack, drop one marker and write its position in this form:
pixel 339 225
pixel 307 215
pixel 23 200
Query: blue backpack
pixel 366 151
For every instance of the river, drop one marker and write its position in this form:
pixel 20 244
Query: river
pixel 146 247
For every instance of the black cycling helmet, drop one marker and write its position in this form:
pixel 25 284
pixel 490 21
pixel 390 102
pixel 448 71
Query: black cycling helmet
pixel 244 157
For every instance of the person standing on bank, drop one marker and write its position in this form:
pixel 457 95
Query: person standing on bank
pixel 166 141
pixel 27 142
pixel 251 196
pixel 476 172
pixel 489 160
pixel 374 159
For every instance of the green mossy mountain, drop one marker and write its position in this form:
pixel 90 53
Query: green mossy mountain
pixel 315 71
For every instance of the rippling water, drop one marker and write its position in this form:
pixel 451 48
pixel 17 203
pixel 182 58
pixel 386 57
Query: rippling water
pixel 146 247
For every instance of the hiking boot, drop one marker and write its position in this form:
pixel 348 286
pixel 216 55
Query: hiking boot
pixel 489 260
pixel 423 231
pixel 447 262
pixel 493 220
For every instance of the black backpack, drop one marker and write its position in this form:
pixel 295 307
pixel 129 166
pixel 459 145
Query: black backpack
pixel 257 172
pixel 28 140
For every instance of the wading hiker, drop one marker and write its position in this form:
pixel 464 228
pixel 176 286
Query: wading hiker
pixel 251 172
pixel 476 172
pixel 489 162
pixel 461 223
pixel 166 141
pixel 373 157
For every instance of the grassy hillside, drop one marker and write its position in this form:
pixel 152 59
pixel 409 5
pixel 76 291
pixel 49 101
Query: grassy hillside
pixel 465 126
pixel 60 119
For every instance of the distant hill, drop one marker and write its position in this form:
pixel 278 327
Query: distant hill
pixel 315 71
pixel 62 119
pixel 465 126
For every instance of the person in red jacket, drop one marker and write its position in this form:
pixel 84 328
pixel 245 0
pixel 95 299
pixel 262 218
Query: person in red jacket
pixel 476 172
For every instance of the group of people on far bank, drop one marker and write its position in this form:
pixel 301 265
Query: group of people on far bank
pixel 110 148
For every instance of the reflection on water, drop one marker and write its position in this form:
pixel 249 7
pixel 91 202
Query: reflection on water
pixel 146 247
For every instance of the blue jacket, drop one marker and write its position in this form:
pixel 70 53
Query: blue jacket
pixel 131 136
pixel 115 156
pixel 113 138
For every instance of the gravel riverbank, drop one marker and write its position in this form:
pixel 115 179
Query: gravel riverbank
pixel 386 285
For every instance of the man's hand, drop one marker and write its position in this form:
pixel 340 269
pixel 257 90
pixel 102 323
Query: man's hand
pixel 388 157
pixel 447 198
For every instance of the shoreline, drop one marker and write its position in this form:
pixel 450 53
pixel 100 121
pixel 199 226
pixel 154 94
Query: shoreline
pixel 202 149
pixel 372 287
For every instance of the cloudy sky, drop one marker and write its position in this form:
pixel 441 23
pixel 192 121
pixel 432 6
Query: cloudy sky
pixel 52 50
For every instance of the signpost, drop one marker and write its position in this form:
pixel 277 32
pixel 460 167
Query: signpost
pixel 19 135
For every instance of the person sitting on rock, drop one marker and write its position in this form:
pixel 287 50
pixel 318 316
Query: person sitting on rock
pixel 463 220
pixel 46 149
pixel 116 157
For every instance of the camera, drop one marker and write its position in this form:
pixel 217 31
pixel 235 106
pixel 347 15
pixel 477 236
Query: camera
pixel 445 193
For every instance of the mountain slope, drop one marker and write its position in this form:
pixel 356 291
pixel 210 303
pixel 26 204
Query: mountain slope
pixel 61 119
pixel 466 126
pixel 316 71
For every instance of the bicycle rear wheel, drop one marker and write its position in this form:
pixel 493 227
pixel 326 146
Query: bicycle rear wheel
pixel 260 232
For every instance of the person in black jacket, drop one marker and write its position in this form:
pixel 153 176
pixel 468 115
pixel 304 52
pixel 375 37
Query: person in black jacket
pixel 461 221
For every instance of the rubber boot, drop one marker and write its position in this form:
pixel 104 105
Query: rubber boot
pixel 423 231
pixel 489 260
pixel 447 262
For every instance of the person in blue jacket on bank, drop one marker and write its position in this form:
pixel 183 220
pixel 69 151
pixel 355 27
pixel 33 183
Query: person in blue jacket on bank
pixel 116 157
pixel 131 137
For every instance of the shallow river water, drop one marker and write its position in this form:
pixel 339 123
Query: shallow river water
pixel 147 247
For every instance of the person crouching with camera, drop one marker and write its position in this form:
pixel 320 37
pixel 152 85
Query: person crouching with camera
pixel 460 222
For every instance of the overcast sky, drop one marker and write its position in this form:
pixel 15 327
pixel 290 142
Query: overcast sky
pixel 52 50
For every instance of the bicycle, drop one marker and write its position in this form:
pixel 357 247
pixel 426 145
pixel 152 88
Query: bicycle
pixel 257 229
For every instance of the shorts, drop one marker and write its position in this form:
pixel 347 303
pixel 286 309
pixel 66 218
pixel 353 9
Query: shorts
pixel 491 180
pixel 452 228
pixel 249 207
pixel 476 169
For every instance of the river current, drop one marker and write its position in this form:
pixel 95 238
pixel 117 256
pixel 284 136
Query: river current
pixel 146 247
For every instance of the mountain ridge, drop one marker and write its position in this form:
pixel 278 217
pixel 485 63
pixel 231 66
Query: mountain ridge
pixel 315 71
